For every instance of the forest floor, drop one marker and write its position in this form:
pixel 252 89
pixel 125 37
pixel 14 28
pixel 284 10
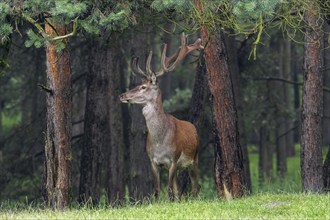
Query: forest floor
pixel 258 206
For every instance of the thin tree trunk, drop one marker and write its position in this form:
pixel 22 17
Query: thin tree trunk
pixel 281 128
pixel 312 104
pixel 326 119
pixel 229 170
pixel 326 100
pixel 296 93
pixel 289 143
pixel 265 164
pixel 58 135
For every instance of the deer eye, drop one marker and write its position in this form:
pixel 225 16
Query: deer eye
pixel 143 87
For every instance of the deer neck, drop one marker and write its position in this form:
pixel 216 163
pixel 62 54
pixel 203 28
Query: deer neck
pixel 158 122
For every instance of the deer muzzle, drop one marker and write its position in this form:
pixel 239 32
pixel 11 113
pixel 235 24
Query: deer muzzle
pixel 123 98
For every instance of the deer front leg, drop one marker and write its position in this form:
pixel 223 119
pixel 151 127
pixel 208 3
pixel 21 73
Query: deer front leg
pixel 172 182
pixel 156 177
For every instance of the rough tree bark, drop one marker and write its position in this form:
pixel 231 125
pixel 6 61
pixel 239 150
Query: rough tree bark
pixel 58 135
pixel 236 79
pixel 312 103
pixel 229 171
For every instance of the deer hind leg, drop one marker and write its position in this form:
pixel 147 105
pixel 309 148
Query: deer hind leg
pixel 193 174
pixel 156 177
pixel 172 182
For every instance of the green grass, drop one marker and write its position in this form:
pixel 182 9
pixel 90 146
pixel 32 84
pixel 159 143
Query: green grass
pixel 261 206
pixel 272 200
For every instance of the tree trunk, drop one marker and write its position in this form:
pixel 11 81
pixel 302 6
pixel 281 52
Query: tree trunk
pixel 289 143
pixel 265 164
pixel 312 105
pixel 326 172
pixel 236 78
pixel 326 99
pixel 229 170
pixel 326 119
pixel 140 179
pixel 198 100
pixel 58 135
pixel 96 127
pixel 165 82
pixel 281 128
pixel 296 93
pixel 115 166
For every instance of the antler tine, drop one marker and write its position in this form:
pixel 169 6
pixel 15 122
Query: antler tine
pixel 136 68
pixel 148 67
pixel 182 52
pixel 165 61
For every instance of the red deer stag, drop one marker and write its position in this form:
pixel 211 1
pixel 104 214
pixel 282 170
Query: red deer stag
pixel 171 142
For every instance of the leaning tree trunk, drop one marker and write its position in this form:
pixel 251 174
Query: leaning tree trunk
pixel 229 170
pixel 312 105
pixel 195 115
pixel 58 135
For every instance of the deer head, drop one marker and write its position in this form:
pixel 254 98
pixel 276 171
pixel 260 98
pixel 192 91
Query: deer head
pixel 149 90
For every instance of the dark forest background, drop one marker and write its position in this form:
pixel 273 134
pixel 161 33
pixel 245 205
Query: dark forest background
pixel 267 89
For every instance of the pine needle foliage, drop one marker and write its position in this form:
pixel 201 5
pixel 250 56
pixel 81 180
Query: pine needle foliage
pixel 81 15
pixel 247 17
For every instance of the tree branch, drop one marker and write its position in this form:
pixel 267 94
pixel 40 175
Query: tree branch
pixel 73 33
pixel 40 29
pixel 326 89
pixel 42 32
pixel 50 91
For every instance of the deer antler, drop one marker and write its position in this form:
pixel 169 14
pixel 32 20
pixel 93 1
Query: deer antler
pixel 174 60
pixel 136 68
pixel 180 54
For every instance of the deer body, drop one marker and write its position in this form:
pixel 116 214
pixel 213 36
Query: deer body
pixel 171 142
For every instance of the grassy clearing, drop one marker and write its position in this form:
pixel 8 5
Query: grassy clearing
pixel 272 200
pixel 265 206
